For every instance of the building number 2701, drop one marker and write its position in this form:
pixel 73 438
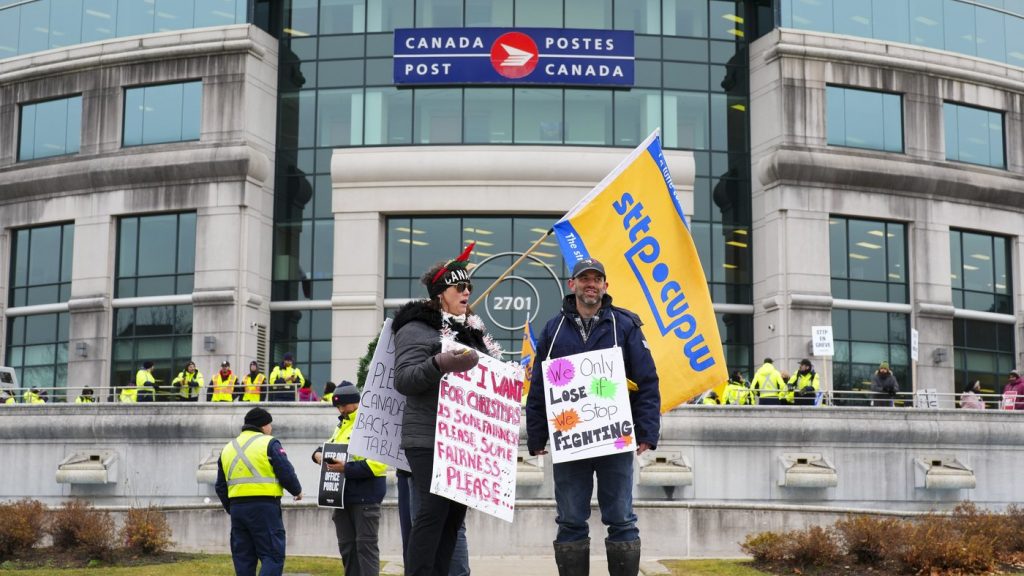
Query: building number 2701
pixel 510 303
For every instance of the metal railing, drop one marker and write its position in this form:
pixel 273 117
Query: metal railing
pixel 146 394
pixel 922 399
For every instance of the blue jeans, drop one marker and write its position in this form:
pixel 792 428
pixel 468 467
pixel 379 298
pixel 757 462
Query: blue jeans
pixel 257 533
pixel 574 484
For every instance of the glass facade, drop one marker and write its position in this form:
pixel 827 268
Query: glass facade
pixel 307 335
pixel 37 344
pixel 162 113
pixel 863 119
pixel 33 26
pixel 865 339
pixel 868 260
pixel 982 351
pixel 41 265
pixel 161 334
pixel 991 29
pixel 980 272
pixel 156 255
pixel 974 135
pixel 51 128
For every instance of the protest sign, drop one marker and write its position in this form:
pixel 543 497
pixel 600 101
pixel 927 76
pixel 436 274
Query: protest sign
pixel 587 403
pixel 377 434
pixel 476 440
pixel 331 486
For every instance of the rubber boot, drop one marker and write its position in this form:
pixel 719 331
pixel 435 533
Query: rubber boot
pixel 573 558
pixel 623 557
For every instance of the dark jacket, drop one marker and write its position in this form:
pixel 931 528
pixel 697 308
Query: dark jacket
pixel 884 384
pixel 645 402
pixel 417 330
pixel 283 470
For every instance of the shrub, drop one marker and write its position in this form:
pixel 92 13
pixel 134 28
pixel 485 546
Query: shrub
pixel 933 544
pixel 764 547
pixel 815 546
pixel 77 525
pixel 864 537
pixel 21 526
pixel 146 531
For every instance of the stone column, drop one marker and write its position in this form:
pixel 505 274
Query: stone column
pixel 91 318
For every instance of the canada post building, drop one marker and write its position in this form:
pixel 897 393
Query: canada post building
pixel 237 179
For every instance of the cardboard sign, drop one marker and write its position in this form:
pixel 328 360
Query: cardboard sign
pixel 476 442
pixel 588 405
pixel 821 337
pixel 1009 401
pixel 331 486
pixel 377 434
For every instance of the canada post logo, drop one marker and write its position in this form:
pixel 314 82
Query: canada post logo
pixel 466 56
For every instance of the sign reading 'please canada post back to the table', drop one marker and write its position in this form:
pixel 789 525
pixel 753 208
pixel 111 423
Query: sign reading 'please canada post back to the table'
pixel 588 405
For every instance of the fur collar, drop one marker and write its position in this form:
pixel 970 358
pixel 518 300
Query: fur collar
pixel 471 333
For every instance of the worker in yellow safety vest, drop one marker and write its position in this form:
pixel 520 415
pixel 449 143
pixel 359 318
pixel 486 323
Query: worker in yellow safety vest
pixel 253 383
pixel 736 391
pixel 86 397
pixel 804 385
pixel 223 384
pixel 6 397
pixel 189 382
pixel 767 384
pixel 144 381
pixel 329 389
pixel 710 399
pixel 285 379
pixel 253 474
pixel 32 396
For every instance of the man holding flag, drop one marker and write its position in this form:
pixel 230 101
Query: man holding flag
pixel 588 321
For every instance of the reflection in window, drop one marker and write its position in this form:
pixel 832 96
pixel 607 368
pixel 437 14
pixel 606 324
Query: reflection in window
pixel 864 119
pixel 51 128
pixel 438 114
pixel 538 116
pixel 982 351
pixel 156 255
pixel 863 340
pixel 438 13
pixel 161 334
pixel 868 260
pixel 162 113
pixel 539 13
pixel 685 18
pixel 306 334
pixel 973 135
pixel 339 117
pixel 41 265
pixel 737 333
pixel 386 15
pixel 980 272
pixel 488 113
pixel 37 349
pixel 588 117
pixel 594 14
pixel 342 16
pixel 488 13
pixel 686 120
pixel 388 116
pixel 640 16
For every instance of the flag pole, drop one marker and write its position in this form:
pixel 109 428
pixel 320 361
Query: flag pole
pixel 529 250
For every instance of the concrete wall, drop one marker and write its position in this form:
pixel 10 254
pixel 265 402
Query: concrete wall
pixel 799 181
pixel 225 177
pixel 734 454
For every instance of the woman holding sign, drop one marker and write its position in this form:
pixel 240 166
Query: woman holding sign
pixel 420 364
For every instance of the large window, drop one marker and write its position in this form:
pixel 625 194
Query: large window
pixel 41 265
pixel 51 128
pixel 863 340
pixel 37 348
pixel 156 255
pixel 980 272
pixel 982 351
pixel 161 334
pixel 36 25
pixel 991 29
pixel 864 119
pixel 162 113
pixel 306 334
pixel 974 135
pixel 868 260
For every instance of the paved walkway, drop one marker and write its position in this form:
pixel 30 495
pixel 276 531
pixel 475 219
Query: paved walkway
pixel 531 566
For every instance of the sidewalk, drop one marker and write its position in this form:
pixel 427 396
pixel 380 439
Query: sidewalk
pixel 532 566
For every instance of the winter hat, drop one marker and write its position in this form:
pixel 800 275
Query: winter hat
pixel 440 277
pixel 258 417
pixel 883 366
pixel 805 362
pixel 288 357
pixel 345 393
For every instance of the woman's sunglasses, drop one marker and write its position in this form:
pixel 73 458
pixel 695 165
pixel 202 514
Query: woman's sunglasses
pixel 463 286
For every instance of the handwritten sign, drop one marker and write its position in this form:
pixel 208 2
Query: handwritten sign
pixel 821 337
pixel 331 487
pixel 1009 401
pixel 476 441
pixel 588 405
pixel 377 434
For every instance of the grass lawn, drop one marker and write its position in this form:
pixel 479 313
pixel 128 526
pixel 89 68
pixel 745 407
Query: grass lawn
pixel 216 565
pixel 712 568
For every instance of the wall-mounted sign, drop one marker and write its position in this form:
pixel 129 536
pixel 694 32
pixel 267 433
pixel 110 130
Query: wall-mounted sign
pixel 554 56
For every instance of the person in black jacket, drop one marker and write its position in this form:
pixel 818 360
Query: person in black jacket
pixel 588 321
pixel 419 328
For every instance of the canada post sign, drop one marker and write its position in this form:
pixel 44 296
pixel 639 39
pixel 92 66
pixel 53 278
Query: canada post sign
pixel 513 56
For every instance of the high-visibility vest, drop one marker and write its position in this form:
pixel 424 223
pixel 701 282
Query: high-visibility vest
pixel 341 436
pixel 31 397
pixel 10 400
pixel 143 380
pixel 710 400
pixel 223 390
pixel 247 467
pixel 253 388
pixel 84 400
pixel 768 382
pixel 798 382
pixel 736 393
pixel 328 398
pixel 190 383
pixel 282 374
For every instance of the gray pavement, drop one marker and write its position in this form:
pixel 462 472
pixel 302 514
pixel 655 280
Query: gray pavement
pixel 531 566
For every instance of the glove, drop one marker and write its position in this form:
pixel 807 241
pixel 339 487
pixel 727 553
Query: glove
pixel 456 360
